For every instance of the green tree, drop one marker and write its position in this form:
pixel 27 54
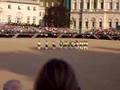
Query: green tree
pixel 57 16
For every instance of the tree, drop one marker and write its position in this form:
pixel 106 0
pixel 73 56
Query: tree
pixel 57 16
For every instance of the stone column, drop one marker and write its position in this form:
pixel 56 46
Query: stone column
pixel 84 5
pixel 91 5
pixel 99 4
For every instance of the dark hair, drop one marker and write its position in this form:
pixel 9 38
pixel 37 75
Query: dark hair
pixel 56 75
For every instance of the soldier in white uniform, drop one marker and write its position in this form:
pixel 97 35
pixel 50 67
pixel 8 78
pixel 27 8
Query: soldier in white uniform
pixel 61 44
pixel 46 45
pixel 53 45
pixel 38 45
pixel 86 45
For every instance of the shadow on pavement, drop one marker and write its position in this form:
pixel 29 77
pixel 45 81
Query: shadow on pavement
pixel 94 70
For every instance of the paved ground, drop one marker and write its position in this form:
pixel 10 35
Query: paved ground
pixel 96 69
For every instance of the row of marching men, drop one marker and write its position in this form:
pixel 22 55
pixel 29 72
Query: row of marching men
pixel 82 45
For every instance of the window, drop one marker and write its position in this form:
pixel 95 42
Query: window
pixel 95 4
pixel 117 5
pixel 41 4
pixel 88 5
pixel 19 8
pixel 47 4
pixel 40 14
pixel 86 24
pixel 28 20
pixel 52 4
pixel 100 24
pixel 110 24
pixel 102 5
pixel 93 24
pixel 74 22
pixel 40 22
pixel 80 24
pixel 9 6
pixel 18 20
pixel 75 6
pixel 80 5
pixel 28 7
pixel 34 20
pixel 117 24
pixel 110 4
pixel 9 19
pixel 34 8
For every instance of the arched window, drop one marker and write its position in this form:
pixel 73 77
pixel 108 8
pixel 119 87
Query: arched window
pixel 34 20
pixel 110 23
pixel 100 23
pixel 73 22
pixel 93 22
pixel 28 20
pixel 9 18
pixel 18 20
pixel 80 23
pixel 116 22
pixel 86 23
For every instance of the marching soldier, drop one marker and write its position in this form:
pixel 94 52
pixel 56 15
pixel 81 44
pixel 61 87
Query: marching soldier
pixel 46 44
pixel 61 44
pixel 66 44
pixel 39 45
pixel 82 45
pixel 86 45
pixel 76 44
pixel 72 44
pixel 53 45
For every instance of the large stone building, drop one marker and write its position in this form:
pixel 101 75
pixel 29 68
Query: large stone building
pixel 21 11
pixel 94 14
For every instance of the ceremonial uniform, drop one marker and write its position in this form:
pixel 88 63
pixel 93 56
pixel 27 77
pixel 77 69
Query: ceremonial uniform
pixel 39 45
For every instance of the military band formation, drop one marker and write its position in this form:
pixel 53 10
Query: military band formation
pixel 63 44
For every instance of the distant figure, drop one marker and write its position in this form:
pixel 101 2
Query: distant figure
pixel 76 44
pixel 46 45
pixel 61 44
pixel 12 85
pixel 56 75
pixel 53 45
pixel 85 45
pixel 39 45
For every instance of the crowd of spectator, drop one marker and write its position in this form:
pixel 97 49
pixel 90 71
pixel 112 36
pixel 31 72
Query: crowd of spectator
pixel 12 29
pixel 111 33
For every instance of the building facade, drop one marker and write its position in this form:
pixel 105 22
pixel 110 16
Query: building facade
pixel 89 15
pixel 21 11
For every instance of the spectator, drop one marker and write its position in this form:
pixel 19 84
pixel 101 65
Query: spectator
pixel 12 85
pixel 56 75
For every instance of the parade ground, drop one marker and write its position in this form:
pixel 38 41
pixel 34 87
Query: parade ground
pixel 97 68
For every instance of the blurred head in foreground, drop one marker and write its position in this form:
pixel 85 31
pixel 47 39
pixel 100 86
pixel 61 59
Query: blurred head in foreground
pixel 12 85
pixel 56 75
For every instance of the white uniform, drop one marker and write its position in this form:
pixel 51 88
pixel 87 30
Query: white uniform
pixel 53 45
pixel 39 45
pixel 46 45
